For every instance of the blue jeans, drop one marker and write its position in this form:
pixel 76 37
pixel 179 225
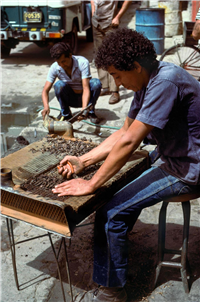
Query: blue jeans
pixel 119 215
pixel 68 98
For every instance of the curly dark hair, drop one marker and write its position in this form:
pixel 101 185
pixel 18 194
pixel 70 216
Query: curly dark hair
pixel 122 47
pixel 59 49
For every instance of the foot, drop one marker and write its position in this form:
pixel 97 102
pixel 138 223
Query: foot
pixel 104 294
pixel 61 117
pixel 93 118
pixel 114 98
pixel 105 91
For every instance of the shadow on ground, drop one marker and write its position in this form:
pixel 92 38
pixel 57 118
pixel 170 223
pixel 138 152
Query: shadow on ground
pixel 142 261
pixel 34 55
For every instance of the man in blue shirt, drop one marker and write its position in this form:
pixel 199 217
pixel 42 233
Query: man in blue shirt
pixel 166 106
pixel 75 87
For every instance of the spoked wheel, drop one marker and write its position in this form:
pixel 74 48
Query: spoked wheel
pixel 187 57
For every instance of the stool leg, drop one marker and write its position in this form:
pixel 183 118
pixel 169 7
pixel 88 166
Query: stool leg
pixel 161 238
pixel 186 215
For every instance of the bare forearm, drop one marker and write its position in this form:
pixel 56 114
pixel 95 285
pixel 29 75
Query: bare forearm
pixel 114 162
pixel 46 110
pixel 120 153
pixel 85 98
pixel 101 152
pixel 45 99
pixel 92 7
pixel 123 9
pixel 45 94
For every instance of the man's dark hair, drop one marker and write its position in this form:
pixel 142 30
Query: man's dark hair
pixel 59 49
pixel 122 47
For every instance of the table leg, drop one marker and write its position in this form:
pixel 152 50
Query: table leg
pixel 66 264
pixel 13 254
pixel 12 248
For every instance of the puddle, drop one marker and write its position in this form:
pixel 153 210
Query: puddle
pixel 14 119
pixel 12 123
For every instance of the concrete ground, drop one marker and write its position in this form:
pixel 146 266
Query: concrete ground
pixel 36 266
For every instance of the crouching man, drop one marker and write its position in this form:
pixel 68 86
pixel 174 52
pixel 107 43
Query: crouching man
pixel 75 87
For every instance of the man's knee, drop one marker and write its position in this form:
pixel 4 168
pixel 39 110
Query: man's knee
pixel 58 86
pixel 95 84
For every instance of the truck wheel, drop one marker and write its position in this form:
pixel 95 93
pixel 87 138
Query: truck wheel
pixel 74 39
pixel 5 51
pixel 89 35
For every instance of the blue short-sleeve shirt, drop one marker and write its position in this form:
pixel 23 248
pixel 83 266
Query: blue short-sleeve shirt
pixel 171 103
pixel 80 71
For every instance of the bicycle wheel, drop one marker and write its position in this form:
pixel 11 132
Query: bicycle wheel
pixel 187 57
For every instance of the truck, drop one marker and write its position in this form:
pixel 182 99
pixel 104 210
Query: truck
pixel 44 22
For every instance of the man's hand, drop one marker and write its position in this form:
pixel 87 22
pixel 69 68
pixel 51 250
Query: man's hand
pixel 115 22
pixel 83 116
pixel 125 6
pixel 45 112
pixel 64 168
pixel 75 187
pixel 196 30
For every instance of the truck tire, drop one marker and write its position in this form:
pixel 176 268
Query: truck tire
pixel 89 35
pixel 5 51
pixel 74 39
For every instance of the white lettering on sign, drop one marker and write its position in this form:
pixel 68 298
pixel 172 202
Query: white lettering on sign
pixel 55 17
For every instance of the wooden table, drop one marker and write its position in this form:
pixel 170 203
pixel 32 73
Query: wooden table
pixel 54 216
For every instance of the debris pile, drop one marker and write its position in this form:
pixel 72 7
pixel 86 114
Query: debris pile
pixel 59 146
pixel 43 183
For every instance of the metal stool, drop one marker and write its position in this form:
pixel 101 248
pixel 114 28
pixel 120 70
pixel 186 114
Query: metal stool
pixel 185 199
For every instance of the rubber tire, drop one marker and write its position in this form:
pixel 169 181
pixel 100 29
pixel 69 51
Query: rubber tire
pixel 74 39
pixel 89 35
pixel 5 52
